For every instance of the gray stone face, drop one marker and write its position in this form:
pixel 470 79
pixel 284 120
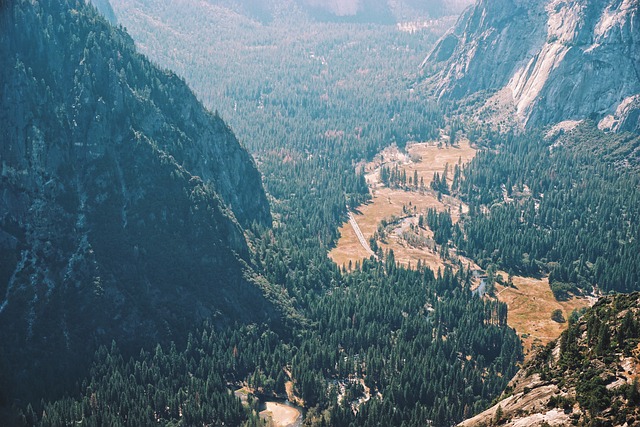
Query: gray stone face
pixel 559 60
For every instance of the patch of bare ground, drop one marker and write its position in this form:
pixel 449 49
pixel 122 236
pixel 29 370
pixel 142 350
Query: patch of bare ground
pixel 530 306
pixel 280 415
pixel 291 396
pixel 397 210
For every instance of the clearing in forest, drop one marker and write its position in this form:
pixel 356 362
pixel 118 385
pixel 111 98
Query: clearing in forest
pixel 280 415
pixel 530 306
pixel 394 212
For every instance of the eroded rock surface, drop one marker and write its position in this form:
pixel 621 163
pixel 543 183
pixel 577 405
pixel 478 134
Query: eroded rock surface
pixel 559 60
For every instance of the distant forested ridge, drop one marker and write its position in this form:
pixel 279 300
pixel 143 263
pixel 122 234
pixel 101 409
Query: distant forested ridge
pixel 385 12
pixel 381 11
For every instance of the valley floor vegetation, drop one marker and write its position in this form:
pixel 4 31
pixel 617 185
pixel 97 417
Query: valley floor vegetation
pixel 381 344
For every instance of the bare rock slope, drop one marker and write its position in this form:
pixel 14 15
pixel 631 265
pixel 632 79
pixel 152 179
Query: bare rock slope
pixel 589 376
pixel 556 60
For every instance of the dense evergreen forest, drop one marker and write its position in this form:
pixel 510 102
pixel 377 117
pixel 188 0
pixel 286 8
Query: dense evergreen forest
pixel 424 347
pixel 382 345
pixel 564 205
pixel 421 344
pixel 293 83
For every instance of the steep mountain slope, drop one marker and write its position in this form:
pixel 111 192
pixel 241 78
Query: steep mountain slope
pixel 104 7
pixel 587 377
pixel 121 198
pixel 554 60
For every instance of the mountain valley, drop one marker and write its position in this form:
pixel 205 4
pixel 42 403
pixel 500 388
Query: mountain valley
pixel 287 204
pixel 403 191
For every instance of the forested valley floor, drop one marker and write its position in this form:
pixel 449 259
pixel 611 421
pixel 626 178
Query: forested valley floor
pixel 367 342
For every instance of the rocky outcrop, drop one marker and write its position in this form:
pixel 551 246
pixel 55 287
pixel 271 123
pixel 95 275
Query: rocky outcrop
pixel 556 59
pixel 123 202
pixel 589 376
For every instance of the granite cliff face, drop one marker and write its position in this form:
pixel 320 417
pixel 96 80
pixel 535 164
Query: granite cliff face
pixel 122 200
pixel 588 377
pixel 553 60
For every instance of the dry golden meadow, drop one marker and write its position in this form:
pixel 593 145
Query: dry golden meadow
pixel 530 303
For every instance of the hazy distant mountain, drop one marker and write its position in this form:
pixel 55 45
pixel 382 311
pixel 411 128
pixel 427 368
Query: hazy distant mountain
pixel 384 11
pixel 372 11
pixel 350 10
pixel 552 60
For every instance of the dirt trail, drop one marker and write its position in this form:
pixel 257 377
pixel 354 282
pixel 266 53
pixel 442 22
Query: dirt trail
pixel 361 239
